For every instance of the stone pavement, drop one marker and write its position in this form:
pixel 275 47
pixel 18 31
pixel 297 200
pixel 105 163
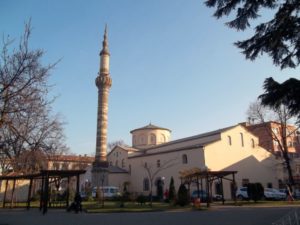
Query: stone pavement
pixel 214 216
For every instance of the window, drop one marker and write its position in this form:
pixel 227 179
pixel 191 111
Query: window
pixel 145 165
pixel 163 138
pixel 229 140
pixel 297 169
pixel 269 185
pixel 245 181
pixel 153 139
pixel 184 159
pixel 129 169
pixel 158 163
pixel 146 184
pixel 123 163
pixel 110 163
pixel 117 163
pixel 142 139
pixel 65 166
pixel 252 143
pixel 242 139
pixel 134 140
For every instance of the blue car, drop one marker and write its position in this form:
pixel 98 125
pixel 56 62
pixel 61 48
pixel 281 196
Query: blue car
pixel 202 195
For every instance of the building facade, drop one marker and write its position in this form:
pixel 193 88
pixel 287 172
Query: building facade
pixel 231 148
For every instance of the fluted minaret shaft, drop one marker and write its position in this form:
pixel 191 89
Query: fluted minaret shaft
pixel 103 82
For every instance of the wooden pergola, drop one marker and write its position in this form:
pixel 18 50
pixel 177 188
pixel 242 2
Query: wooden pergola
pixel 45 176
pixel 196 175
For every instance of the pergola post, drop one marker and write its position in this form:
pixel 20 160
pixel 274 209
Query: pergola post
pixel 68 192
pixel 46 194
pixel 198 191
pixel 222 189
pixel 5 191
pixel 207 190
pixel 234 187
pixel 29 193
pixel 77 184
pixel 12 193
pixel 42 192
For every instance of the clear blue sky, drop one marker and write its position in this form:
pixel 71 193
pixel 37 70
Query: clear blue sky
pixel 172 63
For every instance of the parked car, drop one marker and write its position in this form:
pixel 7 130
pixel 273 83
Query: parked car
pixel 108 192
pixel 83 195
pixel 202 195
pixel 296 194
pixel 241 193
pixel 278 195
pixel 269 194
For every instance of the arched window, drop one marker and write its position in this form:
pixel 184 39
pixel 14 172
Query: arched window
pixel 184 159
pixel 158 163
pixel 163 138
pixel 123 163
pixel 252 143
pixel 229 140
pixel 117 163
pixel 152 139
pixel 242 139
pixel 134 140
pixel 146 184
pixel 142 139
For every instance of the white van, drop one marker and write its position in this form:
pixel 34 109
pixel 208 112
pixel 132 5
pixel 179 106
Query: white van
pixel 107 191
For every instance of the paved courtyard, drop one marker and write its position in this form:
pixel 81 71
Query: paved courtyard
pixel 214 216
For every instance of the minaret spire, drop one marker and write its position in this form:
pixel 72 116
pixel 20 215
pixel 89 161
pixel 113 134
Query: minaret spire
pixel 104 55
pixel 103 83
pixel 105 49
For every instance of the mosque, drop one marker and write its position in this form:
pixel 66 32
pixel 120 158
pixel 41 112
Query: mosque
pixel 153 158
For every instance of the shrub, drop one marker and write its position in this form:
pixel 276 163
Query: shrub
pixel 183 197
pixel 141 199
pixel 255 191
pixel 172 191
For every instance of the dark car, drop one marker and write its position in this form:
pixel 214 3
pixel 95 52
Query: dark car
pixel 202 195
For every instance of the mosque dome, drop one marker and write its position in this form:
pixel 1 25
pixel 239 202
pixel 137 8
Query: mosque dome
pixel 149 136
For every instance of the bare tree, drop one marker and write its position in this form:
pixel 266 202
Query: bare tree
pixel 26 121
pixel 259 114
pixel 112 144
pixel 153 170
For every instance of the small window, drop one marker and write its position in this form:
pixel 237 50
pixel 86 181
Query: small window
pixel 269 185
pixel 129 169
pixel 229 140
pixel 184 159
pixel 245 181
pixel 145 165
pixel 142 139
pixel 110 163
pixel 146 184
pixel 123 163
pixel 158 163
pixel 117 163
pixel 242 139
pixel 252 143
pixel 153 139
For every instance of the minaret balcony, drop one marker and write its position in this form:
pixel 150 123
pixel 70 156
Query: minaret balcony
pixel 103 80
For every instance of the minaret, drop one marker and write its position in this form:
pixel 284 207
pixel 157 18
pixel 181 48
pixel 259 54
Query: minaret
pixel 103 83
